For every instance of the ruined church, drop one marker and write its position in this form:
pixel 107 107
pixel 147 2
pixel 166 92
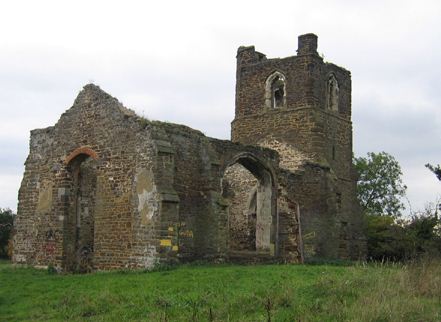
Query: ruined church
pixel 107 189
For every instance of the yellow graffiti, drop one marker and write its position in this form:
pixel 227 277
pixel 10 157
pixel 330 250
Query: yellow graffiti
pixel 175 248
pixel 166 242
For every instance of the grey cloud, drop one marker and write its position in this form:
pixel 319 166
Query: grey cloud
pixel 12 153
pixel 407 132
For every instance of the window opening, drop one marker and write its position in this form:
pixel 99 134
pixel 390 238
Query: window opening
pixel 333 93
pixel 278 91
pixel 275 91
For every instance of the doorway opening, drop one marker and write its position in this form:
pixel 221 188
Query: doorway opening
pixel 79 224
pixel 248 187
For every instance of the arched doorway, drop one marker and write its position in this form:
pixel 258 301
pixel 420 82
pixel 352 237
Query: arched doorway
pixel 79 222
pixel 248 186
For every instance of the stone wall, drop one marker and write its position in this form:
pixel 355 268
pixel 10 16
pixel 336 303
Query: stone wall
pixel 50 226
pixel 106 189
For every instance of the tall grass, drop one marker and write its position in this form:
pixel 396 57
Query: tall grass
pixel 386 292
pixel 361 292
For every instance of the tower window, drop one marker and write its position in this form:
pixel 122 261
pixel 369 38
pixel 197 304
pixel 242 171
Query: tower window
pixel 275 94
pixel 332 94
pixel 278 91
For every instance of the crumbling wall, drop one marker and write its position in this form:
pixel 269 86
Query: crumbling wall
pixel 125 207
pixel 208 214
pixel 105 189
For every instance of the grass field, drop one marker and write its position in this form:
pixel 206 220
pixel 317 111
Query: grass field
pixel 226 293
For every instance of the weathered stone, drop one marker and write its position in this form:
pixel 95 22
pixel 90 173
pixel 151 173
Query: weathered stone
pixel 105 188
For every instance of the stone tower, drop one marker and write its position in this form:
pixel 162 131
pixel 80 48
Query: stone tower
pixel 300 106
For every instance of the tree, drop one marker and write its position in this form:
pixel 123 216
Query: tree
pixel 379 187
pixel 6 223
pixel 435 169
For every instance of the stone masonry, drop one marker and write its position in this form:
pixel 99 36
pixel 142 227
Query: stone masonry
pixel 106 189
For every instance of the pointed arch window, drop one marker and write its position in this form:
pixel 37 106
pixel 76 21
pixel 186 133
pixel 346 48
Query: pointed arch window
pixel 333 91
pixel 275 91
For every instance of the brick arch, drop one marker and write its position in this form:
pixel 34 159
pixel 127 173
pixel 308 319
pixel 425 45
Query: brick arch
pixel 81 150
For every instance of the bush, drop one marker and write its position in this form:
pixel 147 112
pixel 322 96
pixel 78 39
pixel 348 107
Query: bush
pixel 399 240
pixel 386 239
pixel 6 226
pixel 424 233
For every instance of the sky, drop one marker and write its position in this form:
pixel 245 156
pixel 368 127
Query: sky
pixel 175 61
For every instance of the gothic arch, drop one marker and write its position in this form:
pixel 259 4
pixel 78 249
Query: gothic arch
pixel 332 93
pixel 249 185
pixel 256 165
pixel 275 90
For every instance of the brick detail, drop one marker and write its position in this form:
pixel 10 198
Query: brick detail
pixel 81 150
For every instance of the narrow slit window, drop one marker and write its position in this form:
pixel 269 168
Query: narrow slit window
pixel 333 93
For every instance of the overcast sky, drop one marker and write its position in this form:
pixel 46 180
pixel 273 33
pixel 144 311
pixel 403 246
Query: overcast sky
pixel 175 61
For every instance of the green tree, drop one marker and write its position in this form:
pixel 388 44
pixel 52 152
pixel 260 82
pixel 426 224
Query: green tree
pixel 6 225
pixel 380 187
pixel 435 169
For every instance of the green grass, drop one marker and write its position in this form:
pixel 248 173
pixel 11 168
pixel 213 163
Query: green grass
pixel 226 293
